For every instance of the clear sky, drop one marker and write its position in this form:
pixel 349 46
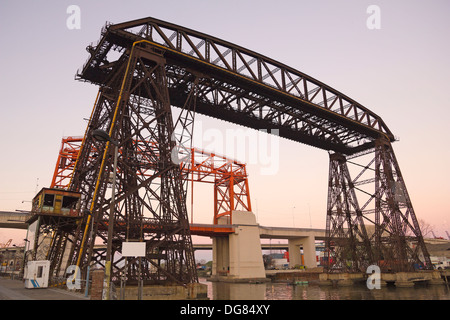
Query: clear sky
pixel 401 71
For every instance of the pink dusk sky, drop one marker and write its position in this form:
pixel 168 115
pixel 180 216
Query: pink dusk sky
pixel 400 70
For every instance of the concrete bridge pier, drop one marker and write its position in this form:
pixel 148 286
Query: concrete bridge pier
pixel 238 256
pixel 309 252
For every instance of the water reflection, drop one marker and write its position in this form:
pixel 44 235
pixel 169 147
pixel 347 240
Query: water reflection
pixel 283 291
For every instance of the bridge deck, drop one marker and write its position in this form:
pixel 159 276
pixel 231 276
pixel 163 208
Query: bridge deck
pixel 241 86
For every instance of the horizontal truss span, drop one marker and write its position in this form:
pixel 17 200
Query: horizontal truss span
pixel 241 86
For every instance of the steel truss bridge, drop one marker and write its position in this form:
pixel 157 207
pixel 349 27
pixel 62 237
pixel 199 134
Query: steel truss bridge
pixel 146 66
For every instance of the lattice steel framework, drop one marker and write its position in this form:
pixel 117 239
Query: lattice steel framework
pixel 151 200
pixel 384 231
pixel 345 229
pixel 145 66
pixel 230 178
pixel 241 86
pixel 65 164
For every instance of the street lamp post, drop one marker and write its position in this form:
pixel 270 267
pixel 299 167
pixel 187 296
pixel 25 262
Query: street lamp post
pixel 101 135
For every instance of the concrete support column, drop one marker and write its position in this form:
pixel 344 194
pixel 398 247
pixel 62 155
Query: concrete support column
pixel 246 260
pixel 238 257
pixel 309 251
pixel 295 256
pixel 221 256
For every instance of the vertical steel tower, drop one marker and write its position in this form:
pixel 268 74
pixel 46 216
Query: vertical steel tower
pixel 150 203
pixel 384 231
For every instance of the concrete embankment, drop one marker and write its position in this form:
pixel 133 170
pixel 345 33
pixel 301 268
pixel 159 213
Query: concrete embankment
pixel 309 275
pixel 399 279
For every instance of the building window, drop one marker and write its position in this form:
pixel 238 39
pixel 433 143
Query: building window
pixel 48 200
pixel 69 202
pixel 39 272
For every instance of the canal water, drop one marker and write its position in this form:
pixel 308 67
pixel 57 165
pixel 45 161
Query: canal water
pixel 284 291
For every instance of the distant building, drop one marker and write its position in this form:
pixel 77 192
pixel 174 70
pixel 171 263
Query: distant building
pixel 11 260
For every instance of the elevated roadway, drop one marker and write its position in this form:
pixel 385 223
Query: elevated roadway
pixel 289 233
pixel 17 220
pixel 14 220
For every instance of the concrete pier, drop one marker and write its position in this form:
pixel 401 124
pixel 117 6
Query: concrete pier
pixel 309 252
pixel 340 279
pixel 298 238
pixel 193 291
pixel 238 256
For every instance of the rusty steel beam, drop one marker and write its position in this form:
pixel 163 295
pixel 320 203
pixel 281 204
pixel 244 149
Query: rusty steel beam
pixel 242 86
pixel 230 178
pixel 384 230
pixel 135 111
pixel 145 66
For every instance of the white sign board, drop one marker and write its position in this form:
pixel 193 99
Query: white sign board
pixel 133 249
pixel 31 234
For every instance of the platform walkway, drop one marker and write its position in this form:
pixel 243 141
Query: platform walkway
pixel 15 290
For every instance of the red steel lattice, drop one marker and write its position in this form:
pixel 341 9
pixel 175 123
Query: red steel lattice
pixel 231 189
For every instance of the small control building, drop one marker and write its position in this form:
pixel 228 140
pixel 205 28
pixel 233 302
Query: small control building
pixel 55 214
pixel 57 202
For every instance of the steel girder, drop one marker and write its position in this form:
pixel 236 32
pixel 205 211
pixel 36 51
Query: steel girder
pixel 242 86
pixel 135 109
pixel 67 157
pixel 229 177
